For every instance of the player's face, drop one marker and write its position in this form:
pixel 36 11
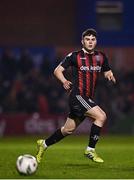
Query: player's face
pixel 89 43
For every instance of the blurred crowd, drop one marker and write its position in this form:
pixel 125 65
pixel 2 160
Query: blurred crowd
pixel 26 87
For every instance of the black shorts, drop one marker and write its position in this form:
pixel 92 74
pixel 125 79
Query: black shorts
pixel 79 105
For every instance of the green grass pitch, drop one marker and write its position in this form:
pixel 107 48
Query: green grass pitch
pixel 65 160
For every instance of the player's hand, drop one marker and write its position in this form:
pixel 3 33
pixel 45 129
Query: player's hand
pixel 109 75
pixel 67 85
pixel 112 78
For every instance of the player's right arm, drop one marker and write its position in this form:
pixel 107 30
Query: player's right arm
pixel 58 72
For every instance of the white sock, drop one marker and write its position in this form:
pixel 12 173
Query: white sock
pixel 89 148
pixel 44 144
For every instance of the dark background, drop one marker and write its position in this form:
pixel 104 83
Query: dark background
pixel 31 22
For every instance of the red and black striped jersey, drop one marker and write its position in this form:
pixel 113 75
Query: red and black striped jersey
pixel 85 70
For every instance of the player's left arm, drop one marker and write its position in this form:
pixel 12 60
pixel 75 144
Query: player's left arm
pixel 109 75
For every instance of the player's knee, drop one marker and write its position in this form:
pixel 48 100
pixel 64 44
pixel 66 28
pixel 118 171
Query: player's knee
pixel 100 119
pixel 103 117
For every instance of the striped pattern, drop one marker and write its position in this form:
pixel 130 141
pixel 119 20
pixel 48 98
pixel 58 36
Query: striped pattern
pixel 85 71
pixel 80 74
pixel 83 102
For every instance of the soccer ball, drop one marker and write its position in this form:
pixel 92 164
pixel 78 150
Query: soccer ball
pixel 26 164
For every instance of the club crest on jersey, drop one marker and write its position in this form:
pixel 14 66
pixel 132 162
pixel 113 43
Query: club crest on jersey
pixel 98 58
pixel 91 68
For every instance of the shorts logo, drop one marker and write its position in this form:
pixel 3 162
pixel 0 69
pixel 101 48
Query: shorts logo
pixel 91 68
pixel 90 100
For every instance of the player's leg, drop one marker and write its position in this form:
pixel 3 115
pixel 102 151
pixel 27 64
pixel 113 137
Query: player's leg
pixel 68 128
pixel 99 118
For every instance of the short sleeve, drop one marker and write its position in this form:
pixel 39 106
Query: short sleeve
pixel 105 65
pixel 67 61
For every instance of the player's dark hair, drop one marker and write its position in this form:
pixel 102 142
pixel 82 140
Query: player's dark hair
pixel 89 32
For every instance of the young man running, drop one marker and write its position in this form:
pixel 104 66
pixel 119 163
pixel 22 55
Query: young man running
pixel 86 64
